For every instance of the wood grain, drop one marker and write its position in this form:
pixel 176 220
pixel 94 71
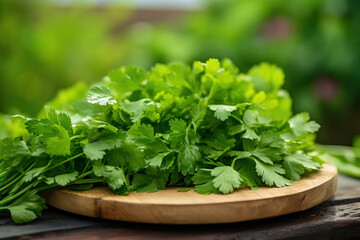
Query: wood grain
pixel 172 207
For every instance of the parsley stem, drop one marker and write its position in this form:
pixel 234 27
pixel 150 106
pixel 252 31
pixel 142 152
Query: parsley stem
pixel 238 119
pixel 46 187
pixel 211 162
pixel 12 197
pixel 91 180
pixel 187 134
pixel 17 179
pixel 86 166
pixel 233 162
pixel 85 174
pixel 121 116
pixel 65 161
pixel 9 179
pixel 74 137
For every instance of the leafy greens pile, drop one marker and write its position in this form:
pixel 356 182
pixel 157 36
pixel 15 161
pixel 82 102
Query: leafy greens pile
pixel 207 126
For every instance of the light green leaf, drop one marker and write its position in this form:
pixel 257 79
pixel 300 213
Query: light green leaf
pixel 26 208
pixel 212 65
pixel 222 112
pixel 226 179
pixel 178 131
pixel 66 178
pixel 101 96
pixel 136 109
pixel 267 77
pixel 271 174
pixel 300 124
pixel 59 144
pixel 113 176
pixel 189 156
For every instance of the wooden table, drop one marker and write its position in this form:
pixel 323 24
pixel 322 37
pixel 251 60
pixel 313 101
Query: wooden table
pixel 337 218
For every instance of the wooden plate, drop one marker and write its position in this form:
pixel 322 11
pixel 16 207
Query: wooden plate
pixel 172 207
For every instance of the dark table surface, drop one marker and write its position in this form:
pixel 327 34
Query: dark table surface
pixel 337 218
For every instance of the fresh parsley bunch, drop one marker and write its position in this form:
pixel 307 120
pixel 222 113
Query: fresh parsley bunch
pixel 207 126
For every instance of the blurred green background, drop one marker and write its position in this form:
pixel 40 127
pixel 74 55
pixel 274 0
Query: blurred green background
pixel 46 46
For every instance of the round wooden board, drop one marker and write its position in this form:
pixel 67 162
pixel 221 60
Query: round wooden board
pixel 172 207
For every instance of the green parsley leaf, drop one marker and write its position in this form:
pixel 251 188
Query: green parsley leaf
pixel 136 109
pixel 60 143
pixel 203 182
pixel 222 112
pixel 96 150
pixel 113 176
pixel 101 96
pixel 126 79
pixel 63 179
pixel 178 131
pixel 300 124
pixel 33 173
pixel 26 208
pixel 296 164
pixel 226 179
pixel 267 77
pixel 189 156
pixel 271 174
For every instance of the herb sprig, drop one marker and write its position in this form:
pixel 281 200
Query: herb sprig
pixel 207 126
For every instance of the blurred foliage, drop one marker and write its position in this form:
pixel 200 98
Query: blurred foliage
pixel 316 42
pixel 346 159
pixel 44 48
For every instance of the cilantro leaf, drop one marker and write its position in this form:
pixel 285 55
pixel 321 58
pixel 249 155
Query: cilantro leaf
pixel 222 112
pixel 96 150
pixel 136 109
pixel 189 156
pixel 63 179
pixel 59 144
pixel 143 134
pixel 267 77
pixel 101 96
pixel 296 164
pixel 148 183
pixel 206 188
pixel 113 176
pixel 212 65
pixel 33 173
pixel 271 174
pixel 203 182
pixel 293 170
pixel 65 121
pixel 198 112
pixel 27 207
pixel 304 160
pixel 157 160
pixel 126 79
pixel 128 156
pixel 226 179
pixel 300 124
pixel 248 173
pixel 178 131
